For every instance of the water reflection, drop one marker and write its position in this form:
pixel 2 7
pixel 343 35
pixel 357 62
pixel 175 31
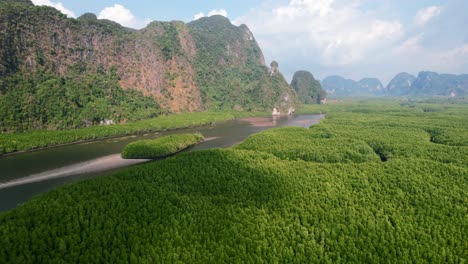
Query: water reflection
pixel 39 171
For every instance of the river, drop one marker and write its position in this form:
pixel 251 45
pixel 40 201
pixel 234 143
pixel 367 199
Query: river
pixel 28 174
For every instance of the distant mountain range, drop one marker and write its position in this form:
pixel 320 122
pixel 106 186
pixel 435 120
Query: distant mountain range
pixel 403 84
pixel 337 86
pixel 434 84
pixel 400 85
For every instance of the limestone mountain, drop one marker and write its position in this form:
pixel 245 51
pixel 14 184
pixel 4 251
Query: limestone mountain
pixel 308 89
pixel 428 84
pixel 231 71
pixel 434 84
pixel 338 86
pixel 400 85
pixel 94 69
pixel 370 86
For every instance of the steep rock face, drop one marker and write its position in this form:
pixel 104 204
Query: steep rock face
pixel 308 90
pixel 400 84
pixel 163 70
pixel 41 38
pixel 206 64
pixel 274 68
pixel 287 96
pixel 230 67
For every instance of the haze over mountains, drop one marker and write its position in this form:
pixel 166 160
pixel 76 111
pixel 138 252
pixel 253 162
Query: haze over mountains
pixel 341 87
pixel 403 84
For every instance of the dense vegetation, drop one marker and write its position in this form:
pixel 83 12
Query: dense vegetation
pixel 160 147
pixel 42 138
pixel 57 92
pixel 221 49
pixel 59 73
pixel 168 41
pixel 323 194
pixel 77 100
pixel 308 90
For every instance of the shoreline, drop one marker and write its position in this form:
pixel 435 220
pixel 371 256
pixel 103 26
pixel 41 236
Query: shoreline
pixel 102 138
pixel 143 131
pixel 98 165
pixel 115 161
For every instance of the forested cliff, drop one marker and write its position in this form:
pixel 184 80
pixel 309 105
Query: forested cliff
pixel 58 72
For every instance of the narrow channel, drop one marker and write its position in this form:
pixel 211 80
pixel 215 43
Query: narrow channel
pixel 28 174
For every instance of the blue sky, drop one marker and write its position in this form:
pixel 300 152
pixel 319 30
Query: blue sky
pixel 161 10
pixel 352 38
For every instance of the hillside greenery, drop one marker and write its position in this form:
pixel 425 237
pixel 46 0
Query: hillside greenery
pixel 287 195
pixel 160 147
pixel 60 73
pixel 308 90
pixel 230 70
pixel 45 138
pixel 168 41
pixel 44 101
pixel 9 2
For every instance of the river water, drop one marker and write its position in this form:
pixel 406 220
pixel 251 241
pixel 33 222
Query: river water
pixel 28 174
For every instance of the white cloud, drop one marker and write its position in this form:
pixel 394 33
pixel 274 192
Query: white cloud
pixel 213 12
pixel 221 12
pixel 412 54
pixel 123 16
pixel 359 38
pixel 423 16
pixel 455 60
pixel 411 45
pixel 57 5
pixel 334 32
pixel 198 16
